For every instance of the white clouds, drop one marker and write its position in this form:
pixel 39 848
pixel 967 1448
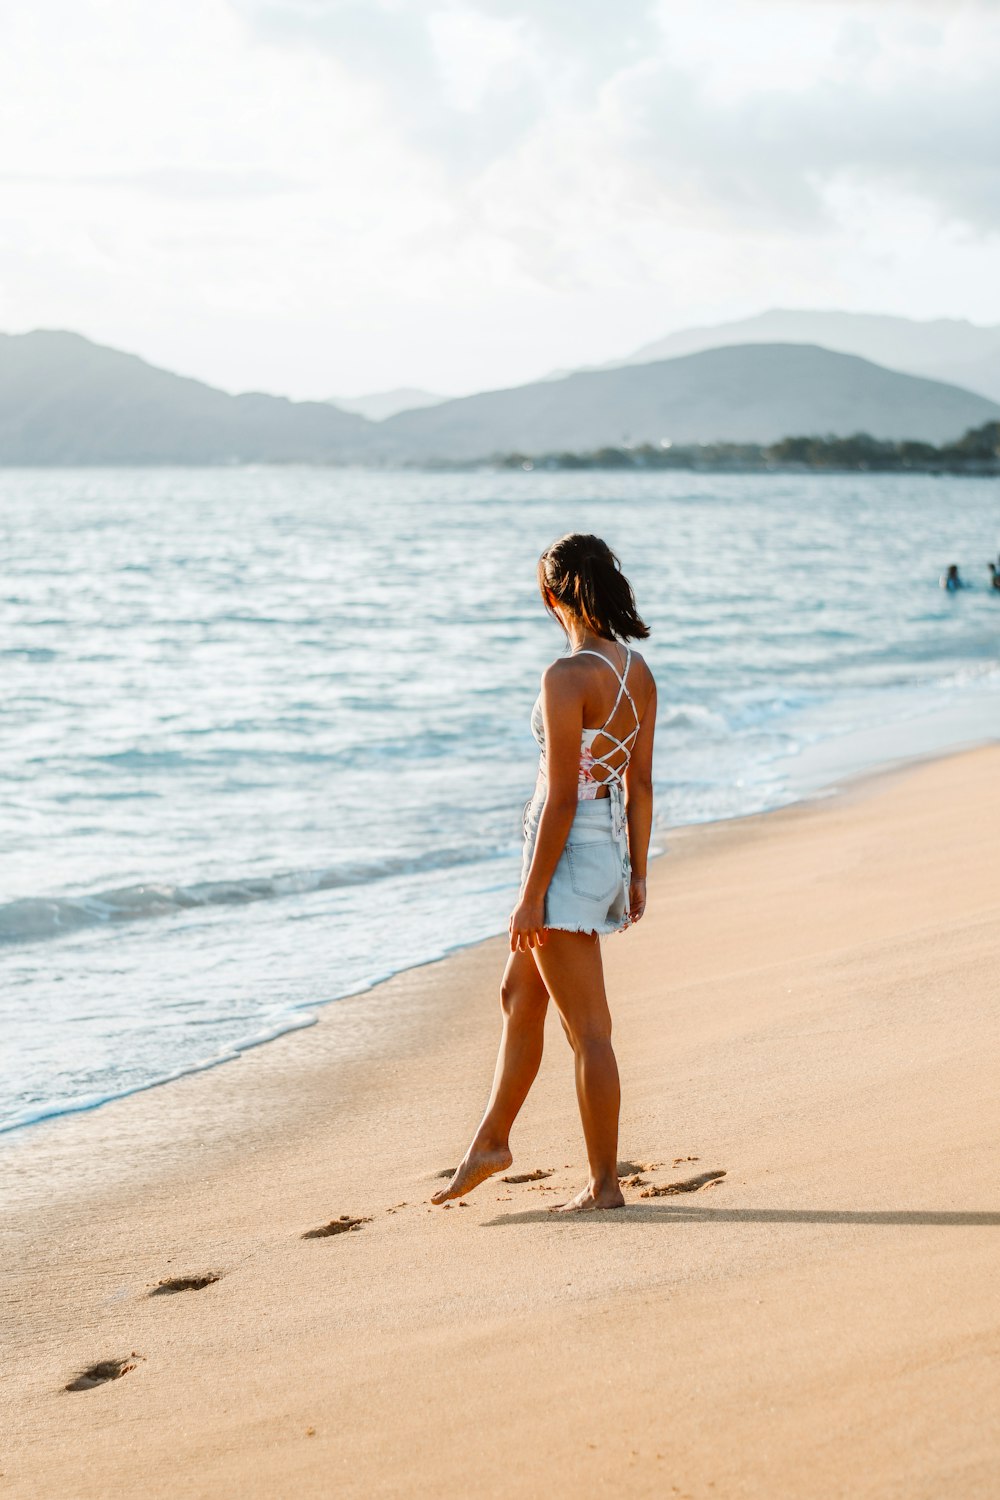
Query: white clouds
pixel 773 157
pixel 463 80
pixel 477 57
pixel 315 195
pixel 759 112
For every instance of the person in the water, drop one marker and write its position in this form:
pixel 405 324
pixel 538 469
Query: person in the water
pixel 952 580
pixel 994 577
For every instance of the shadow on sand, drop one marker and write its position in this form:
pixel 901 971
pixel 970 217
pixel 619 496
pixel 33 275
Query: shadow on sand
pixel 672 1213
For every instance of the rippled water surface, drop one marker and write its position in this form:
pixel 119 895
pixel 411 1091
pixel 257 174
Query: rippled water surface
pixel 264 733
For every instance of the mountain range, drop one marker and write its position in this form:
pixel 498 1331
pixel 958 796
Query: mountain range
pixel 381 404
pixel 948 349
pixel 742 393
pixel 65 400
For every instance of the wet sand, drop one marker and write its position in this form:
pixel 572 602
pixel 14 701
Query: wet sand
pixel 810 1007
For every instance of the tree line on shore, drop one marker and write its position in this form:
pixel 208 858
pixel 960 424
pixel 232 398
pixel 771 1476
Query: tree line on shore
pixel 976 452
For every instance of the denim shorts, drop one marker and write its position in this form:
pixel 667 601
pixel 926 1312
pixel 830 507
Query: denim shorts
pixel 589 888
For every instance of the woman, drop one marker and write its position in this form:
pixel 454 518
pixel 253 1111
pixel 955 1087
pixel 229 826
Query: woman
pixel 584 869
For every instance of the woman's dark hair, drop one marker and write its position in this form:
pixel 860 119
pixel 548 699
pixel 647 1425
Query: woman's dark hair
pixel 583 573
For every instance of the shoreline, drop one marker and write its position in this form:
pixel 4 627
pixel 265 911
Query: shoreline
pixel 501 465
pixel 831 781
pixel 805 1008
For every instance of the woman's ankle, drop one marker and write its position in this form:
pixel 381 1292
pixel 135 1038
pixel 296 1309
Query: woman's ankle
pixel 489 1143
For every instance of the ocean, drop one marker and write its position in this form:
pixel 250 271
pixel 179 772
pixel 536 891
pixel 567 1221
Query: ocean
pixel 264 731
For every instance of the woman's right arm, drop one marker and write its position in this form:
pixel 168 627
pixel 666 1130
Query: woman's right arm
pixel 562 716
pixel 639 806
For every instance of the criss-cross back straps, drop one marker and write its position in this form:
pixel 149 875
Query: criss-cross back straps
pixel 625 746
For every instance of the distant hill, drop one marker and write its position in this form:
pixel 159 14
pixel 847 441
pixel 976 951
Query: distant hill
pixel 755 393
pixel 382 404
pixel 949 349
pixel 65 400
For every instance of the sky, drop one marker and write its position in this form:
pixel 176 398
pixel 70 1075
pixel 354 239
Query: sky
pixel 320 197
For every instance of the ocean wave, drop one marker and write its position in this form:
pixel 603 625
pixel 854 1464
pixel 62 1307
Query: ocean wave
pixel 690 716
pixel 33 919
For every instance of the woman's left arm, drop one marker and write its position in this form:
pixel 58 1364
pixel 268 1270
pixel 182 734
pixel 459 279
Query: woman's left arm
pixel 562 714
pixel 639 806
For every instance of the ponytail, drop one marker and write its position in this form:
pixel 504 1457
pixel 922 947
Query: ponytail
pixel 583 573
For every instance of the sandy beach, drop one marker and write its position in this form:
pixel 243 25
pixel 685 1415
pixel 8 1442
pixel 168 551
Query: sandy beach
pixel 810 1007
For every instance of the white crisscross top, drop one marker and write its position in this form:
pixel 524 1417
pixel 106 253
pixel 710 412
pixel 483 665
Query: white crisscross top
pixel 588 784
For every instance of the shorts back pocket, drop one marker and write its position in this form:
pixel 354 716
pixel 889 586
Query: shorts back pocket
pixel 594 869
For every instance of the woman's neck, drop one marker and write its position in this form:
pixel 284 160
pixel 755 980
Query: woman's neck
pixel 581 637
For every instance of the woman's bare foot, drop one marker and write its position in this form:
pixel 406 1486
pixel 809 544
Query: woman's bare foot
pixel 477 1166
pixel 590 1198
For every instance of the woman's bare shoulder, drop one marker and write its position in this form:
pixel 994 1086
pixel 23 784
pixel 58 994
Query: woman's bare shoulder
pixel 567 674
pixel 642 683
pixel 644 669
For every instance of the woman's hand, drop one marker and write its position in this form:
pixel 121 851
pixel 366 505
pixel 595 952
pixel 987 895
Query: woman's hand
pixel 525 925
pixel 636 897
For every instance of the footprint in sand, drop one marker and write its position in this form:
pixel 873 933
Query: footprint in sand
pixel 103 1371
pixel 633 1168
pixel 688 1185
pixel 335 1226
pixel 535 1176
pixel 184 1283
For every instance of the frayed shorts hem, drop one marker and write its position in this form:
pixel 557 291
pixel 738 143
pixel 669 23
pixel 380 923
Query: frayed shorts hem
pixel 586 931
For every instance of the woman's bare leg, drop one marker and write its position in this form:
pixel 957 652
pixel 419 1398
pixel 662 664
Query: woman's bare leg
pixel 524 999
pixel 570 966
